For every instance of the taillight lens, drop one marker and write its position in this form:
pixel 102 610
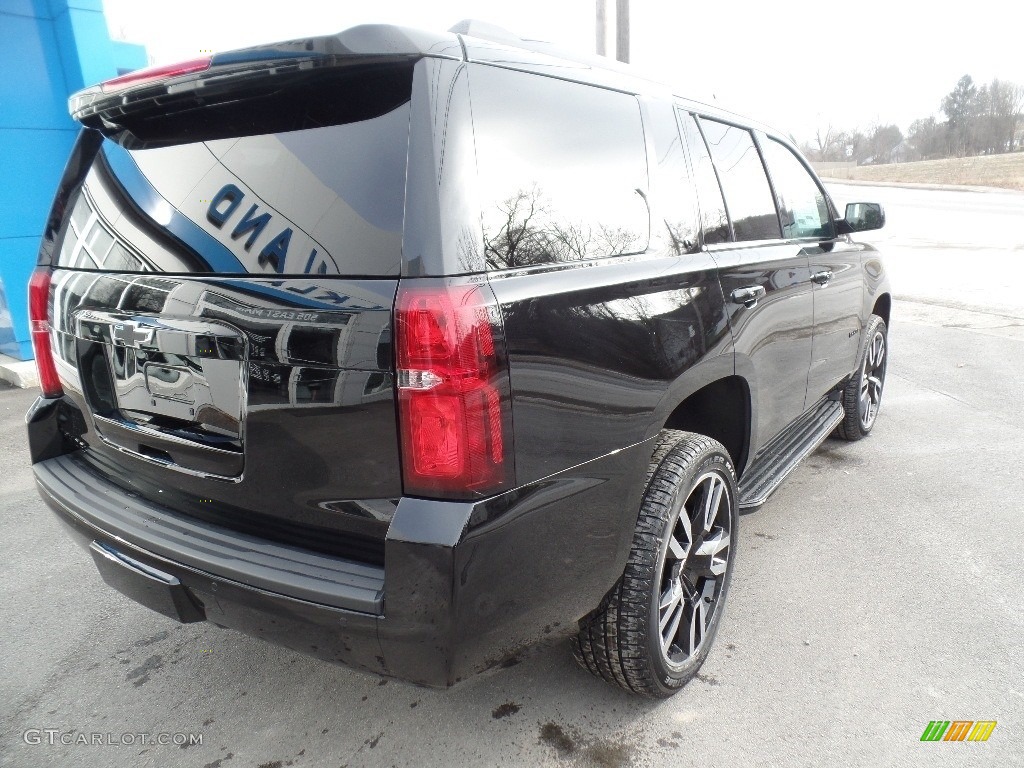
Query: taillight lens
pixel 152 74
pixel 453 396
pixel 39 323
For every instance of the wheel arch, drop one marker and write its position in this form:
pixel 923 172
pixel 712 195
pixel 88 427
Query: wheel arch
pixel 718 406
pixel 883 307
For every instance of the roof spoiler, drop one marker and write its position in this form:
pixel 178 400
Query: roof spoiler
pixel 224 71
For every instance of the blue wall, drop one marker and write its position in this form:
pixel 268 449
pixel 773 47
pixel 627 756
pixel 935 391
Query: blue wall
pixel 48 50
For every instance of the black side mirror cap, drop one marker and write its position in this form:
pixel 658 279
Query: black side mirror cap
pixel 861 217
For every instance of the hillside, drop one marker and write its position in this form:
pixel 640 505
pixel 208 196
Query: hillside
pixel 1006 171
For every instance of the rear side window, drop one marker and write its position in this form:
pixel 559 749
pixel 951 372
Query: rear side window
pixel 714 218
pixel 802 205
pixel 562 169
pixel 307 180
pixel 746 188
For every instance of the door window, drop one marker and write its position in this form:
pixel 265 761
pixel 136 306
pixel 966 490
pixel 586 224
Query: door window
pixel 562 169
pixel 714 219
pixel 802 204
pixel 746 188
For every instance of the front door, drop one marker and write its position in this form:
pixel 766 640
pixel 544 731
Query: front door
pixel 835 271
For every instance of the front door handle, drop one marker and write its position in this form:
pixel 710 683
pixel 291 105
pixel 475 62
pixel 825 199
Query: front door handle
pixel 821 278
pixel 747 296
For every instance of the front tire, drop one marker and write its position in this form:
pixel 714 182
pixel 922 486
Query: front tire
pixel 862 396
pixel 654 629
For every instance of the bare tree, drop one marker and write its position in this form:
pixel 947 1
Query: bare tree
pixel 529 231
pixel 824 139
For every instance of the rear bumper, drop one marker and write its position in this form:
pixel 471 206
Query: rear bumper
pixel 85 504
pixel 464 587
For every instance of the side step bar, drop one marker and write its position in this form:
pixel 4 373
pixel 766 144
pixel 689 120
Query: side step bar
pixel 782 454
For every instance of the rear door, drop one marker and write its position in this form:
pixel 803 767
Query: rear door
pixel 223 292
pixel 766 281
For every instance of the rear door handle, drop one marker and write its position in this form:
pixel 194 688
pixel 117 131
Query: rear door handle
pixel 747 296
pixel 821 278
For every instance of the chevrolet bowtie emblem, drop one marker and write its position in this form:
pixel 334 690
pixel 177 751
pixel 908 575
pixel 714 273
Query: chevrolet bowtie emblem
pixel 131 335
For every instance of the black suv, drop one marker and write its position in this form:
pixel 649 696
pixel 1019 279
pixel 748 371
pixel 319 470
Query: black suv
pixel 409 350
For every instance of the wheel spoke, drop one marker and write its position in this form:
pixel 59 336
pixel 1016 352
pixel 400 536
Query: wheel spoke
pixel 700 613
pixel 875 389
pixel 712 502
pixel 672 595
pixel 682 535
pixel 676 551
pixel 668 635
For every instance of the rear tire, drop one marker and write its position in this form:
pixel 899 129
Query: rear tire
pixel 862 396
pixel 654 629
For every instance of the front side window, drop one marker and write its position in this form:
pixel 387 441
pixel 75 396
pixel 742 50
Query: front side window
pixel 802 204
pixel 747 192
pixel 562 169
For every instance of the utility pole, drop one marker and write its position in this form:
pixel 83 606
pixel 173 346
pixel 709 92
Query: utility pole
pixel 602 27
pixel 622 31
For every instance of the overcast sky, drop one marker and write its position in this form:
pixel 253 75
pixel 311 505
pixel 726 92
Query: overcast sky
pixel 795 64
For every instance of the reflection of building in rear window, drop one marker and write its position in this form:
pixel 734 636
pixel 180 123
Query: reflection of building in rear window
pixel 309 344
pixel 90 244
pixel 146 294
pixel 314 386
pixel 743 179
pixel 556 183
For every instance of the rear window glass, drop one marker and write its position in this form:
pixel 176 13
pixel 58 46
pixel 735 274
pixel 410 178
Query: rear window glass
pixel 315 199
pixel 714 219
pixel 747 192
pixel 562 169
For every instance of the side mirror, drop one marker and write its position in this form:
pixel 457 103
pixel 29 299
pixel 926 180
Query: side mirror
pixel 861 217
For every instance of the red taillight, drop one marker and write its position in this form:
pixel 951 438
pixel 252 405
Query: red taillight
pixel 452 390
pixel 152 74
pixel 39 325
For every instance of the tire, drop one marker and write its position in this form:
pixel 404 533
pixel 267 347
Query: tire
pixel 862 396
pixel 673 568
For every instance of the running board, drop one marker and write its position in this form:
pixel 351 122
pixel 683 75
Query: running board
pixel 782 454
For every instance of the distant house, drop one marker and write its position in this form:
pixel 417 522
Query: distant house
pixel 900 154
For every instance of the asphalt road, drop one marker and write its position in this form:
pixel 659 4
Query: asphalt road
pixel 880 588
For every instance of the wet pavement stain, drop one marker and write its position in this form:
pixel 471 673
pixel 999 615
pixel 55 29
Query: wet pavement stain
pixel 602 753
pixel 505 710
pixel 140 675
pixel 553 735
